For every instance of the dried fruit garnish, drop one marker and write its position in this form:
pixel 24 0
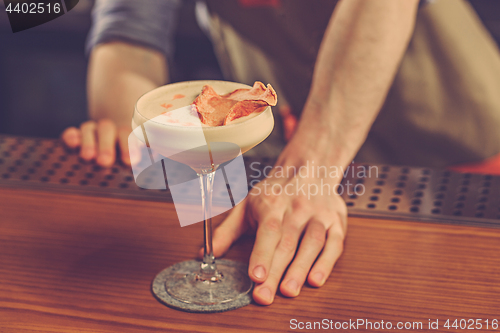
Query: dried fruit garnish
pixel 216 110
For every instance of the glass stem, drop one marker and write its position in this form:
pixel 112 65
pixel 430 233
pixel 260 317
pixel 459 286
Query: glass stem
pixel 208 269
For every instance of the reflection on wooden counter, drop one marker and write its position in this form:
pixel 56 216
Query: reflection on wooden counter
pixel 70 262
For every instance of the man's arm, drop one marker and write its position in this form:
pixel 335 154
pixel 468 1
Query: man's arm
pixel 129 43
pixel 358 59
pixel 118 75
pixel 359 56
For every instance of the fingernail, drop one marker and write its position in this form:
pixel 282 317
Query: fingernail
pixel 292 285
pixel 259 272
pixel 318 278
pixel 265 293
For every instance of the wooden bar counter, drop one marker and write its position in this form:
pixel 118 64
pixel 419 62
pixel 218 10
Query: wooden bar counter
pixel 72 263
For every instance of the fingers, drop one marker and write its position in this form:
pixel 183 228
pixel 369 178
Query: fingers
pixel 280 223
pixel 276 254
pixel 323 237
pixel 267 238
pixel 98 140
pixel 106 134
pixel 88 149
pixel 72 137
pixel 310 247
pixel 333 249
pixel 264 293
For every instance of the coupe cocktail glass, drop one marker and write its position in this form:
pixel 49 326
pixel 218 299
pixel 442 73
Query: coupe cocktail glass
pixel 203 149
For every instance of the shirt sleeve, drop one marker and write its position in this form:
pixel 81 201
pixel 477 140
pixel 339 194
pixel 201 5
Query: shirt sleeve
pixel 149 23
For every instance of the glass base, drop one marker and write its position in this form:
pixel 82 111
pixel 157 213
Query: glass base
pixel 230 283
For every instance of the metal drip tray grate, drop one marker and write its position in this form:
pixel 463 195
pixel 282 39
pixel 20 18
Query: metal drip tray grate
pixel 391 192
pixel 48 164
pixel 428 195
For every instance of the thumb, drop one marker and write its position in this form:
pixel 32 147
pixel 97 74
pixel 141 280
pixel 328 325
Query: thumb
pixel 229 230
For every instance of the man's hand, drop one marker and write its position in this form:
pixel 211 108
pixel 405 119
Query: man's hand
pixel 300 223
pixel 99 140
pixel 118 74
pixel 359 56
pixel 299 220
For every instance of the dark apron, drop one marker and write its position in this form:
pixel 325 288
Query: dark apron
pixel 444 105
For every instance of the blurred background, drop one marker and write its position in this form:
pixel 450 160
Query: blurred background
pixel 43 70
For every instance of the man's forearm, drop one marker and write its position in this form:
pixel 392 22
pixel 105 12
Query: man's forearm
pixel 359 56
pixel 118 75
